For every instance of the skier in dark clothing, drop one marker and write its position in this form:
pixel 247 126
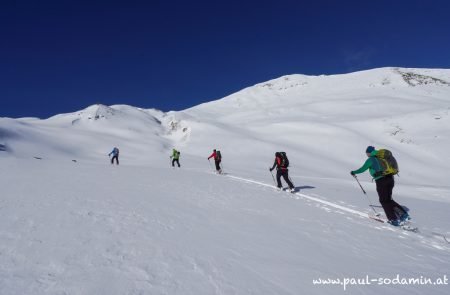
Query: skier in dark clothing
pixel 217 159
pixel 385 184
pixel 281 164
pixel 115 153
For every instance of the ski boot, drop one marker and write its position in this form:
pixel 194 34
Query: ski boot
pixel 394 222
pixel 405 217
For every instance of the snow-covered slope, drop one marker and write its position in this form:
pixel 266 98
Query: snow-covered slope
pixel 87 227
pixel 87 135
pixel 326 122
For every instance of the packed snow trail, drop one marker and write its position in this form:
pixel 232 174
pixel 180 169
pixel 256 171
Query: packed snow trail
pixel 362 214
pixel 346 209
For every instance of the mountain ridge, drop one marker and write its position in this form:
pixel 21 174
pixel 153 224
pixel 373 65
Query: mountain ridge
pixel 333 114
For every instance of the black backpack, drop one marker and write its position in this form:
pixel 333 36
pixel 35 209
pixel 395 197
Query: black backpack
pixel 284 160
pixel 218 155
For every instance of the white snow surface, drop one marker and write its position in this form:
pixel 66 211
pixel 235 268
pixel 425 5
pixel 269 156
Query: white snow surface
pixel 72 223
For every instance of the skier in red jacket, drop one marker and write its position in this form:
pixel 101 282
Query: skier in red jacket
pixel 217 159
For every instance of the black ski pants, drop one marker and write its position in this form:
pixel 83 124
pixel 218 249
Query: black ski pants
pixel 285 174
pixel 177 161
pixel 385 185
pixel 117 159
pixel 217 162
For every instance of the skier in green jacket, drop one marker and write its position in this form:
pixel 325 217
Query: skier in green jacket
pixel 385 184
pixel 175 157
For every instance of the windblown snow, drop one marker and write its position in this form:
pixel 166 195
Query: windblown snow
pixel 72 223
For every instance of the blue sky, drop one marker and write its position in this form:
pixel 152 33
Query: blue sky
pixel 62 56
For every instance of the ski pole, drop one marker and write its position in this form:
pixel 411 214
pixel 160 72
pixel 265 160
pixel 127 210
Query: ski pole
pixel 360 185
pixel 273 178
pixel 370 204
pixel 440 235
pixel 210 165
pixel 290 179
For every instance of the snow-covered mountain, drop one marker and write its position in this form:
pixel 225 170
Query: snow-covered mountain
pixel 144 228
pixel 323 122
pixel 327 121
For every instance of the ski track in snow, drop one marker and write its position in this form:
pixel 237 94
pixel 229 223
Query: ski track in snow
pixel 443 244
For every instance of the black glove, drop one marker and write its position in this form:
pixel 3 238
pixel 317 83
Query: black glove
pixel 352 173
pixel 270 169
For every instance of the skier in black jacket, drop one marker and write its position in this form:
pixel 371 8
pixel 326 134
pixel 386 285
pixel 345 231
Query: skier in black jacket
pixel 281 164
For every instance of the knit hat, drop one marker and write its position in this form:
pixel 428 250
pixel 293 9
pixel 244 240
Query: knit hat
pixel 370 149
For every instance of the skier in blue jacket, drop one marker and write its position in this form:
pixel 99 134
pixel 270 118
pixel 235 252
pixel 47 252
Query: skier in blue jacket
pixel 115 155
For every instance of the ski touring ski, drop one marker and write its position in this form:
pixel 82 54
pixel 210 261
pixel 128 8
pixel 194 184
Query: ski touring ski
pixel 405 225
pixel 286 190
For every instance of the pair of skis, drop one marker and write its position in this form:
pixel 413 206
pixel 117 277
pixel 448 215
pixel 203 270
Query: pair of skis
pixel 409 227
pixel 286 189
pixel 406 225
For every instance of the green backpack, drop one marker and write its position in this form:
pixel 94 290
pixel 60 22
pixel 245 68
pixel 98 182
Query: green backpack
pixel 387 163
